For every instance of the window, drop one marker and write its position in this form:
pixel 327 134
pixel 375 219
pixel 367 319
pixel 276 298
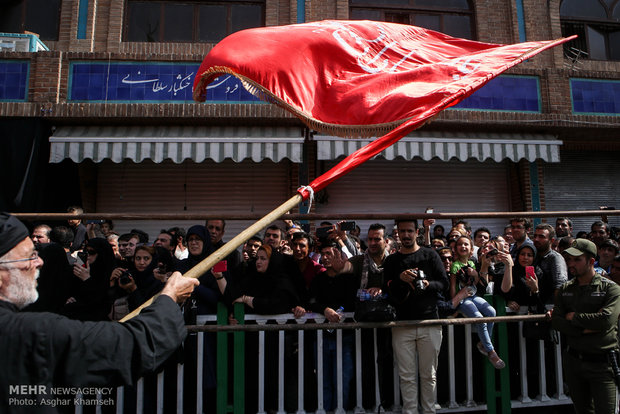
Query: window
pixel 176 21
pixel 597 23
pixel 452 17
pixel 37 16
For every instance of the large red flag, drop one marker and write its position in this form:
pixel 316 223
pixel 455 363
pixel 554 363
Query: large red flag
pixel 359 78
pixel 353 78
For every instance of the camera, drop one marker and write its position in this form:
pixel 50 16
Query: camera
pixel 464 278
pixel 125 278
pixel 419 281
pixel 492 253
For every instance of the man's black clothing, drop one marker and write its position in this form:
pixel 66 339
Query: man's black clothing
pixel 80 235
pixel 333 292
pixel 410 304
pixel 53 351
pixel 385 357
pixel 555 274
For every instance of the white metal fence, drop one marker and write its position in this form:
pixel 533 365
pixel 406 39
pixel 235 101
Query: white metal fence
pixel 457 353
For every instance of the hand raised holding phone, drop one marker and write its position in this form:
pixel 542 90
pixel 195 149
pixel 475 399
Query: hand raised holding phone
pixel 530 279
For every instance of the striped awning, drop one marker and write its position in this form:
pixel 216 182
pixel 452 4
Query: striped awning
pixel 159 143
pixel 446 146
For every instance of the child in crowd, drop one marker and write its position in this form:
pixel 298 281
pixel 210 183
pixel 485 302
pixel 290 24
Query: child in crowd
pixel 462 274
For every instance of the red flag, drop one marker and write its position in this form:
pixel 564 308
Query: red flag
pixel 352 78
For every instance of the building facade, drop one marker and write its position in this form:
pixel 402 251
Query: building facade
pixel 101 114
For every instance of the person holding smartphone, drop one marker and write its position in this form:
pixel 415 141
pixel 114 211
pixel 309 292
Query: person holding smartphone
pixel 495 267
pixel 463 274
pixel 526 277
pixel 87 297
pixel 337 233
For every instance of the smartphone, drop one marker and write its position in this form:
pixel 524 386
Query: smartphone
pixel 347 225
pixel 429 210
pixel 220 266
pixel 492 253
pixel 305 227
pixel 529 272
pixel 82 257
pixel 322 232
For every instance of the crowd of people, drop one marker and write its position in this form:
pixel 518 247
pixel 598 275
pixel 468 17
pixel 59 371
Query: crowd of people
pixel 93 273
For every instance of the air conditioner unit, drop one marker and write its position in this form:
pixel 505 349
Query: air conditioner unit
pixel 18 42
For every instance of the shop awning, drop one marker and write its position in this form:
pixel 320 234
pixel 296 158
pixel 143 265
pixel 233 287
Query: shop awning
pixel 446 146
pixel 159 143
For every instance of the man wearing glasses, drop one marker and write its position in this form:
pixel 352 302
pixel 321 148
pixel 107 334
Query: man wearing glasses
pixel 47 350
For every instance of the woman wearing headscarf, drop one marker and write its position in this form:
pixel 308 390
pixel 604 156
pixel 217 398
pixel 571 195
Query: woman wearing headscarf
pixel 264 287
pixel 140 283
pixel 527 290
pixel 53 280
pixel 203 302
pixel 199 246
pixel 88 290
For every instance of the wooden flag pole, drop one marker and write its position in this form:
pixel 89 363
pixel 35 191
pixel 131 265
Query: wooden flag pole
pixel 202 267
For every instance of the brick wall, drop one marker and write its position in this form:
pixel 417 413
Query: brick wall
pixel 45 85
pixel 496 21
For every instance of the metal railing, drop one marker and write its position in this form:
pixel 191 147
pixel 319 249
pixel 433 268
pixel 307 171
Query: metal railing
pixel 315 216
pixel 479 391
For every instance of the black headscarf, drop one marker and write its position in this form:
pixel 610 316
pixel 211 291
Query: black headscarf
pixel 192 260
pixel 105 261
pixel 53 282
pixel 91 295
pixel 272 290
pixel 520 292
pixel 146 282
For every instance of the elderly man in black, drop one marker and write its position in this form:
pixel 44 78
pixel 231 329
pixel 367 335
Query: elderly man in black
pixel 49 350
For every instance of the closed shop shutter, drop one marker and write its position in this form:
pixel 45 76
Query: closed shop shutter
pixel 399 186
pixel 208 187
pixel 583 181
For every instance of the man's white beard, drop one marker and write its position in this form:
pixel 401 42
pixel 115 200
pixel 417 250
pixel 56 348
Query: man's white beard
pixel 21 292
